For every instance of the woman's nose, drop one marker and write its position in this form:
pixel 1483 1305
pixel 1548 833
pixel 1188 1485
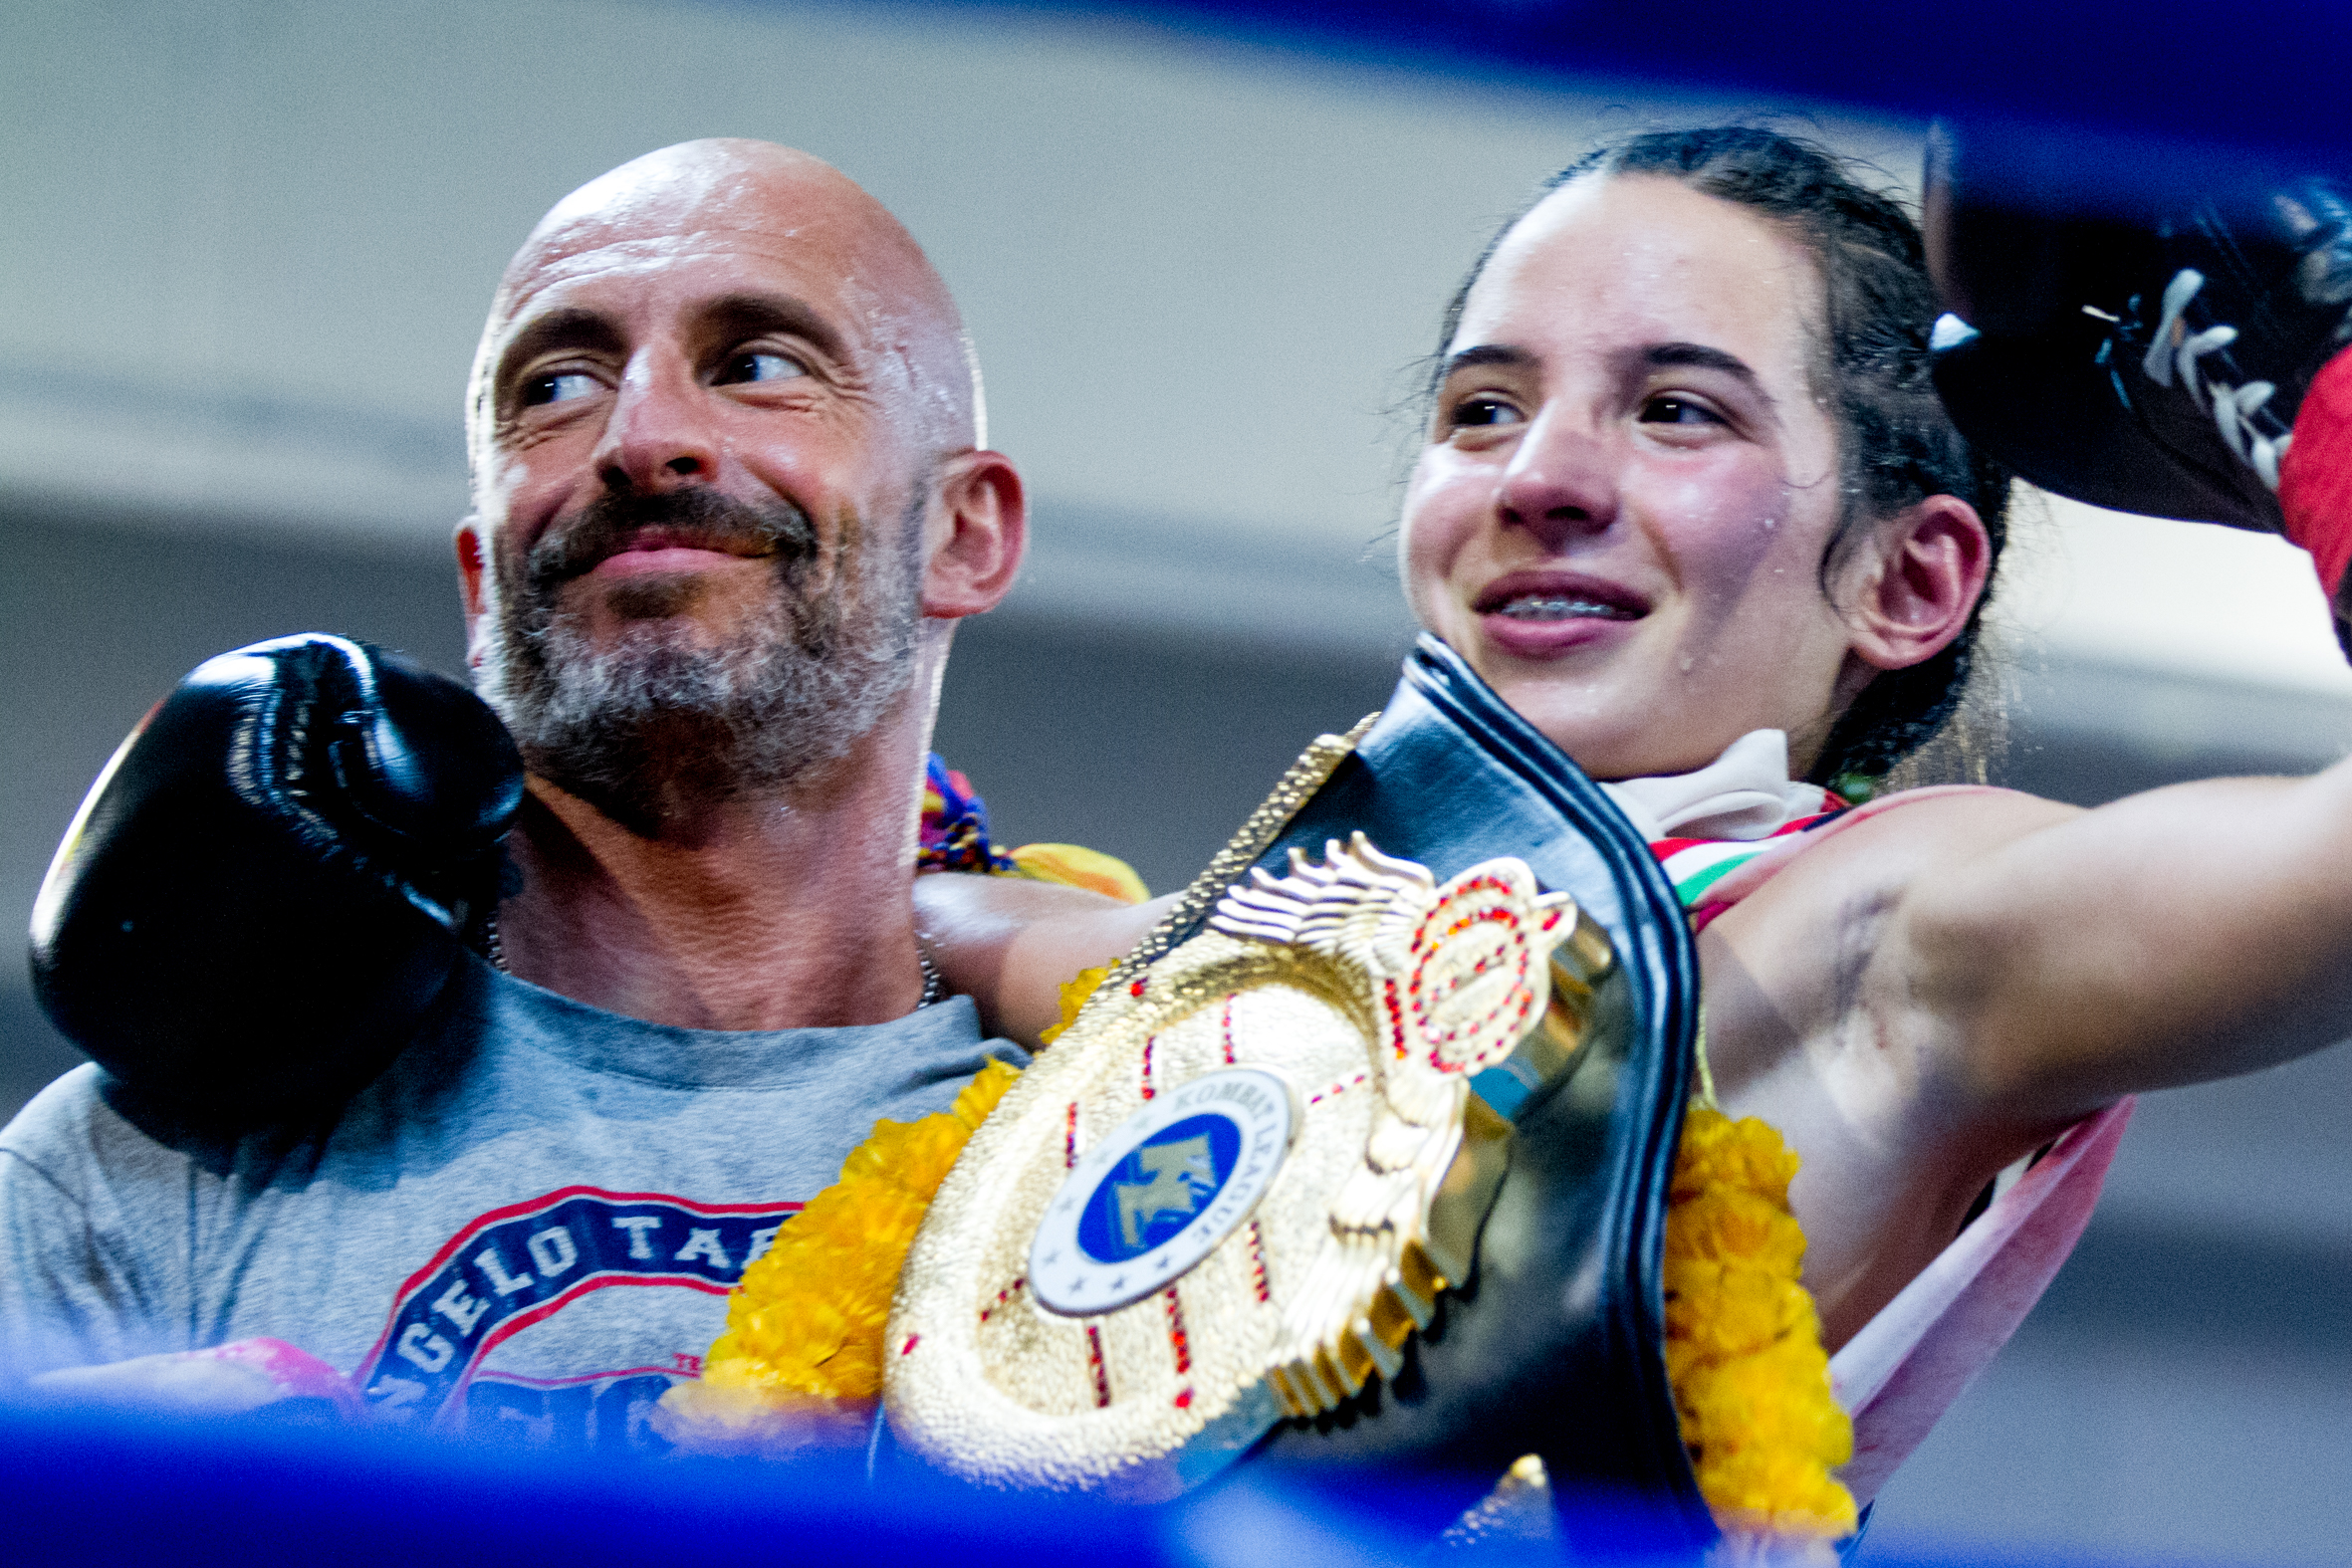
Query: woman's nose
pixel 1560 482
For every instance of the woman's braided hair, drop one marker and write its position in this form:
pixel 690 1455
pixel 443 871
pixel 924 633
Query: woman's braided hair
pixel 1897 447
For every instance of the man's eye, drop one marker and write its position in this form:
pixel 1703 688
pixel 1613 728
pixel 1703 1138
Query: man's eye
pixel 560 388
pixel 1678 411
pixel 760 367
pixel 1484 411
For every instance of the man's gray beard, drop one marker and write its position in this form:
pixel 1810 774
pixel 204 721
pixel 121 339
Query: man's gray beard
pixel 644 728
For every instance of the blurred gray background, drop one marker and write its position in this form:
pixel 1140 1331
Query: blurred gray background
pixel 247 250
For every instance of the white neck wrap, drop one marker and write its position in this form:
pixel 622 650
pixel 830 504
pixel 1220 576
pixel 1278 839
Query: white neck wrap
pixel 1745 793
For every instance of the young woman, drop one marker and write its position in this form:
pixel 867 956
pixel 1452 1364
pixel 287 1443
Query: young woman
pixel 1688 504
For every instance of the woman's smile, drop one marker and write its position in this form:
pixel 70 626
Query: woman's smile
pixel 1545 614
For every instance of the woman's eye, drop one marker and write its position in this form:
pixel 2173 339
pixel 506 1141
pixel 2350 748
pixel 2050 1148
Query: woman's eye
pixel 561 387
pixel 1678 411
pixel 760 367
pixel 1484 411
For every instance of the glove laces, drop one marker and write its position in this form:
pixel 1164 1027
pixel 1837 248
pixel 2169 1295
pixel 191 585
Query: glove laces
pixel 2175 351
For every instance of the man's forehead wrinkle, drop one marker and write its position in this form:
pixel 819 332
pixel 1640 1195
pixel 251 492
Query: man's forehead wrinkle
pixel 583 253
pixel 527 286
pixel 858 263
pixel 748 190
pixel 869 286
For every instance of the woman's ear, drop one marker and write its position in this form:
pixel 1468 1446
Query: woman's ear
pixel 1912 588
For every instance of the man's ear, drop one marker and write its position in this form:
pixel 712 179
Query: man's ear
pixel 470 566
pixel 1912 590
pixel 977 537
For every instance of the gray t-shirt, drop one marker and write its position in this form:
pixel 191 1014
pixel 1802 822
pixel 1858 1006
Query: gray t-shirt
pixel 531 1216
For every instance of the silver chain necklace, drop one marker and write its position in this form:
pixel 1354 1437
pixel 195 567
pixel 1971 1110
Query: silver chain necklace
pixel 934 982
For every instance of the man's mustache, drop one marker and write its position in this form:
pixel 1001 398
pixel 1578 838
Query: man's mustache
pixel 695 519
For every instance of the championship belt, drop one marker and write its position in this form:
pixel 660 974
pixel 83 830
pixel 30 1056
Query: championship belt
pixel 1360 1159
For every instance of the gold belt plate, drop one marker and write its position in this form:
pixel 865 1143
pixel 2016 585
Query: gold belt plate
pixel 1369 993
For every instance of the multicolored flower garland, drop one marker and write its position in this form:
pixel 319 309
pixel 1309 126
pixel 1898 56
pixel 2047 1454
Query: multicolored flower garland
pixel 951 834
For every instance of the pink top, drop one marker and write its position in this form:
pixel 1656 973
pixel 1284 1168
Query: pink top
pixel 1907 1365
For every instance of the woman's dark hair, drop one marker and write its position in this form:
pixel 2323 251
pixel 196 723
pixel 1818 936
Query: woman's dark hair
pixel 1896 446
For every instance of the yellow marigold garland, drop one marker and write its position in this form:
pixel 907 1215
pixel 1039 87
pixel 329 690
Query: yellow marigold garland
pixel 1074 997
pixel 800 1361
pixel 1742 1341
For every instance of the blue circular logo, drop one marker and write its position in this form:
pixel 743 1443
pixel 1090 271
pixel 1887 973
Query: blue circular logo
pixel 1158 1193
pixel 1161 1187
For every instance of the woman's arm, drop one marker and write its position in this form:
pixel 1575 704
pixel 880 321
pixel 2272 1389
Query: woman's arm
pixel 2014 962
pixel 2015 958
pixel 1930 994
pixel 2183 935
pixel 1011 943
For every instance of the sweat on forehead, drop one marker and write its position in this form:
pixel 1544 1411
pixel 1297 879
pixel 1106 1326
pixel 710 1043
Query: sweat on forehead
pixel 737 192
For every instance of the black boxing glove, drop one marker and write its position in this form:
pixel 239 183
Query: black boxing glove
pixel 2147 348
pixel 274 879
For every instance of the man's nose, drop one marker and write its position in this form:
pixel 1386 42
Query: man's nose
pixel 1559 483
pixel 658 437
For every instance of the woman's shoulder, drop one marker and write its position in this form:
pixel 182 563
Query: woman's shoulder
pixel 1871 850
pixel 1937 818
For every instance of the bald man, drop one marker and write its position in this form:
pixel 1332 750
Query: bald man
pixel 731 497
pixel 731 494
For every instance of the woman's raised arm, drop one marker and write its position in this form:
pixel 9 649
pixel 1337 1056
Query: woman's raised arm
pixel 2015 963
pixel 2186 934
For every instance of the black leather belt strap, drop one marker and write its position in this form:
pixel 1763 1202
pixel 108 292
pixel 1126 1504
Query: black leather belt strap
pixel 1555 1346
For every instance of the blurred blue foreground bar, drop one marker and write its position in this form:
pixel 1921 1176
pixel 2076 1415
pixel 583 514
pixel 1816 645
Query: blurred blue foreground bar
pixel 2130 88
pixel 85 1489
pixel 2171 69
